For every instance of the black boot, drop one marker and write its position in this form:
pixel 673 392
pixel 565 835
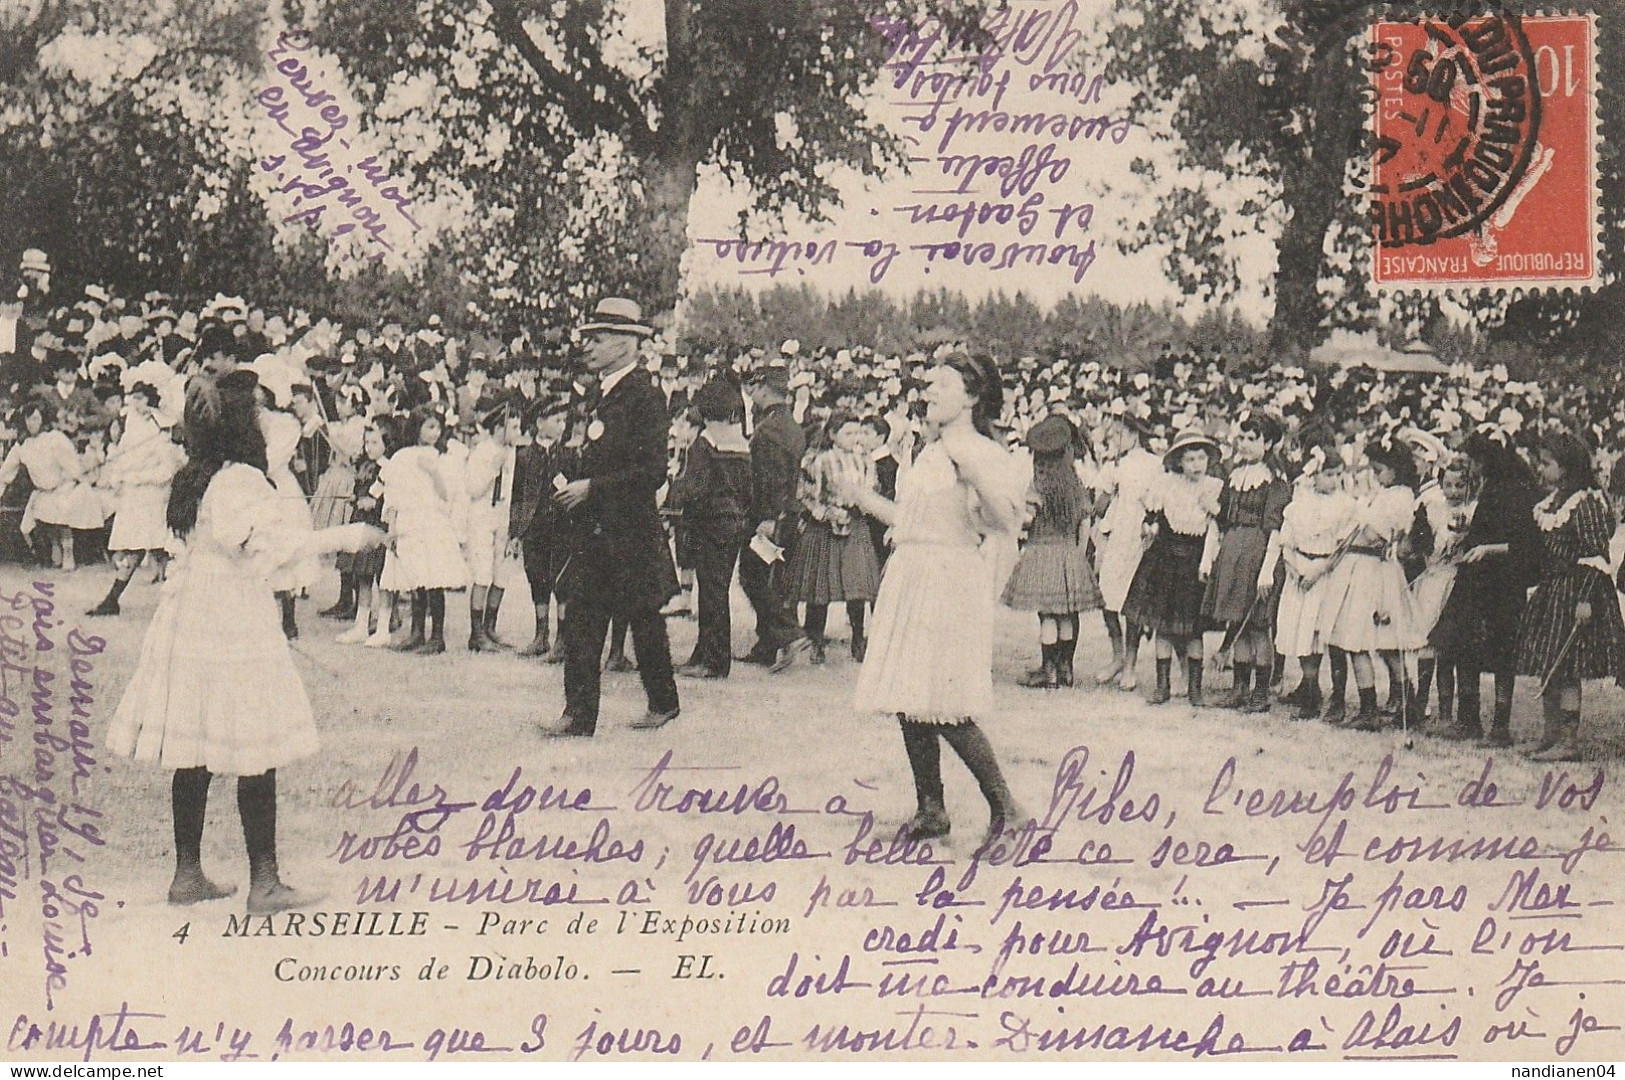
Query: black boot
pixel 256 803
pixel 420 610
pixel 1417 711
pixel 1065 650
pixel 1336 712
pixel 493 604
pixel 971 744
pixel 1241 683
pixel 1193 678
pixel 437 624
pixel 109 604
pixel 290 625
pixel 539 644
pixel 1044 676
pixel 1369 718
pixel 189 800
pixel 1469 725
pixel 930 820
pixel 1308 692
pixel 1165 679
pixel 477 641
pixel 1500 736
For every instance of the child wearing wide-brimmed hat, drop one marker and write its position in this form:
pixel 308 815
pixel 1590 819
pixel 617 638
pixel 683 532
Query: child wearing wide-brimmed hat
pixel 1171 582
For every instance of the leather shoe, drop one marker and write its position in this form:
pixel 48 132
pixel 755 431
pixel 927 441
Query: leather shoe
pixel 566 727
pixel 652 721
pixel 790 653
pixel 759 658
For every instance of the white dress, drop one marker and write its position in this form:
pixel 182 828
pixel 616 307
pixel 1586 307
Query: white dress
pixel 1313 527
pixel 54 469
pixel 215 684
pixel 140 470
pixel 426 553
pixel 1432 588
pixel 931 638
pixel 1121 530
pixel 282 432
pixel 1367 604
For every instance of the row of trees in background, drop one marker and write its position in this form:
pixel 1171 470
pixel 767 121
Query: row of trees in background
pixel 733 321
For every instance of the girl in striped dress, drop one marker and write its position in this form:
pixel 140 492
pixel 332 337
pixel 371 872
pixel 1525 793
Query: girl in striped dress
pixel 1053 576
pixel 1571 629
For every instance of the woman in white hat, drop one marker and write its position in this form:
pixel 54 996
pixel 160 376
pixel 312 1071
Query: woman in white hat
pixel 1171 581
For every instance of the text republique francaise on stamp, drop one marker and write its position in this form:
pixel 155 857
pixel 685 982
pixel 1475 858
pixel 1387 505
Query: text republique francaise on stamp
pixel 1486 152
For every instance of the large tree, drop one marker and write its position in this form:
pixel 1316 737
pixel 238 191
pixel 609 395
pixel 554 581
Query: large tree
pixel 563 141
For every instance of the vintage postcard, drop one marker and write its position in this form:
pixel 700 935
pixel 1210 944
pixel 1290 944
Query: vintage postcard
pixel 823 530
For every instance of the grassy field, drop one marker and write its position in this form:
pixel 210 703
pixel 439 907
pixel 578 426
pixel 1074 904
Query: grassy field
pixel 471 721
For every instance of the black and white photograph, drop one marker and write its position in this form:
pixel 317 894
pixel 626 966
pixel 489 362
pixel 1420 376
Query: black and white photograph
pixel 812 530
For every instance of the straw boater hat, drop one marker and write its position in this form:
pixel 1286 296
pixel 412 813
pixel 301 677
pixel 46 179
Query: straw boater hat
pixel 618 315
pixel 1190 439
pixel 34 259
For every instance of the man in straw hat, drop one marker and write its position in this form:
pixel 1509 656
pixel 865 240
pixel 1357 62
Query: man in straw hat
pixel 619 565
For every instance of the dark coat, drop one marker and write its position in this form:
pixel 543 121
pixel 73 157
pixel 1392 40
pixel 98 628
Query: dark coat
pixel 533 505
pixel 776 448
pixel 618 552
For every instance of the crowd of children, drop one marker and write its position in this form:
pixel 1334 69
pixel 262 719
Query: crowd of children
pixel 1294 527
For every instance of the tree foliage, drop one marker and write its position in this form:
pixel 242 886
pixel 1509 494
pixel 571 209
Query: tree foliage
pixel 559 143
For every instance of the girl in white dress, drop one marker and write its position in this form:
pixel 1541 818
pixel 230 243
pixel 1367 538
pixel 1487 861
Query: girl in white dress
pixel 1315 525
pixel 214 688
pixel 55 470
pixel 425 555
pixel 930 656
pixel 1367 607
pixel 1120 515
pixel 140 469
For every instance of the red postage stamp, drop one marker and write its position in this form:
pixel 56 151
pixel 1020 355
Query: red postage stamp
pixel 1486 152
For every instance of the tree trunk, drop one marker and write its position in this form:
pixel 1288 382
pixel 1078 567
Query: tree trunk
pixel 1311 185
pixel 668 189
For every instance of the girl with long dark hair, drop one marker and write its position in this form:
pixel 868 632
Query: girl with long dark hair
pixel 214 689
pixel 1571 629
pixel 1053 576
pixel 1478 628
pixel 930 658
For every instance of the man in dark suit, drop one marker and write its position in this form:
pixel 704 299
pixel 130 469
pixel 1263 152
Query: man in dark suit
pixel 619 564
pixel 776 446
